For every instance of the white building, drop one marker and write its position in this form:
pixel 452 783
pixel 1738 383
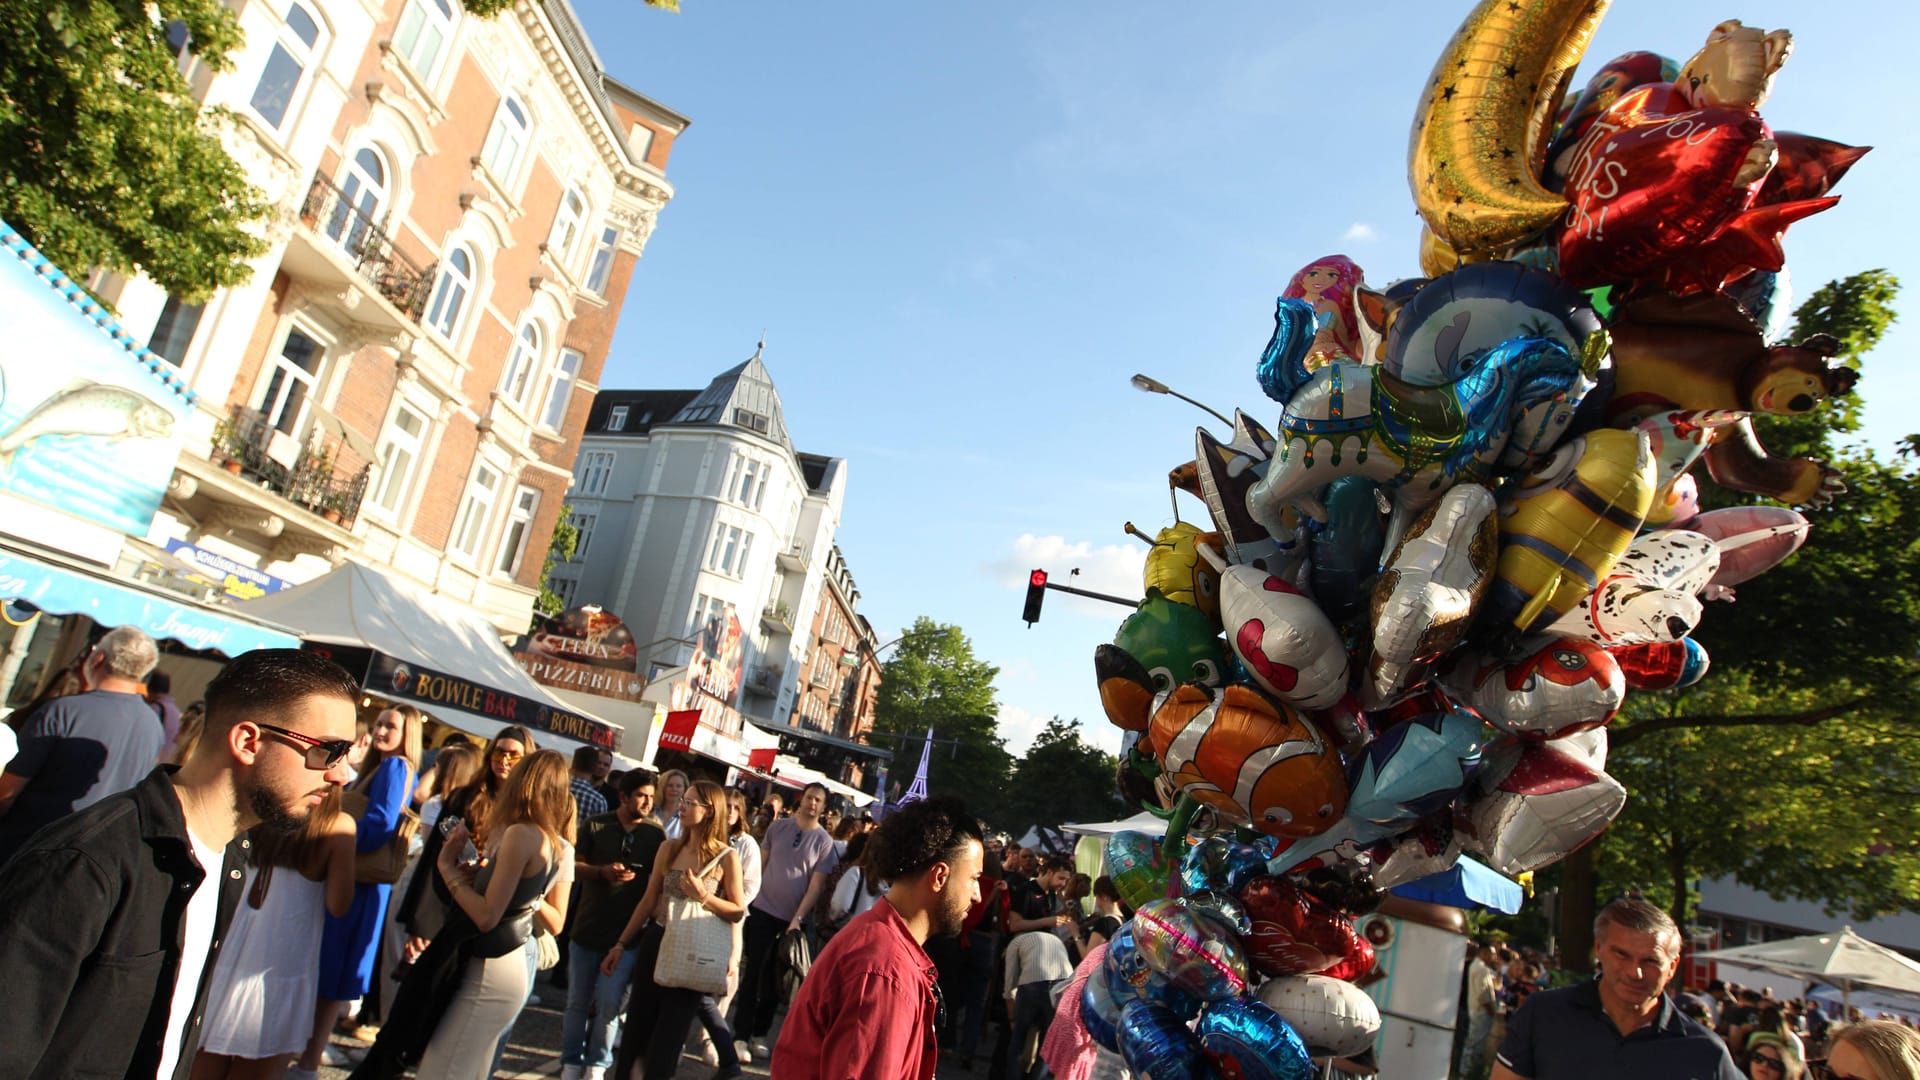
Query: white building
pixel 694 506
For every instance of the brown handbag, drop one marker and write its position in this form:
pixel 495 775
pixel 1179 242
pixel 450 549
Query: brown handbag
pixel 384 864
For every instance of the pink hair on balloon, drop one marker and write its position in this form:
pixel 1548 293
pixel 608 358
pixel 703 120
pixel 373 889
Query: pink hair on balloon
pixel 1347 276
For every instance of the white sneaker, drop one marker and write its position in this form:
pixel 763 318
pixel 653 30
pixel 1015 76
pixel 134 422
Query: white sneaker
pixel 340 1057
pixel 742 1050
pixel 571 1072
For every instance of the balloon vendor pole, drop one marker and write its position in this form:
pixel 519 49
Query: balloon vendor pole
pixel 1183 811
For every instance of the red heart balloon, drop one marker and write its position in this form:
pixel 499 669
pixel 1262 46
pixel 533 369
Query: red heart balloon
pixel 1650 183
pixel 1295 934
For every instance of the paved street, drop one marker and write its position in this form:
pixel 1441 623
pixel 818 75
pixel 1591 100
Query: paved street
pixel 534 1049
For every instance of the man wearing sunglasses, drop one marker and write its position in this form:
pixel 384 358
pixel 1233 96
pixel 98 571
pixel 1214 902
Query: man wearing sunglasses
pixel 1621 1024
pixel 114 915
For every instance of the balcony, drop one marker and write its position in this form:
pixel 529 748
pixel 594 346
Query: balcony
pixel 793 558
pixel 762 680
pixel 821 678
pixel 317 479
pixel 346 256
pixel 777 618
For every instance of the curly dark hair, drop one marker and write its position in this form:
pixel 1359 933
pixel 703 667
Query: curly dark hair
pixel 919 834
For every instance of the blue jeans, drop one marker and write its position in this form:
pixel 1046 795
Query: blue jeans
pixel 593 1006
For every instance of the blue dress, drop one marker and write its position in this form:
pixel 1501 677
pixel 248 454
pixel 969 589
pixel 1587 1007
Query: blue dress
pixel 349 943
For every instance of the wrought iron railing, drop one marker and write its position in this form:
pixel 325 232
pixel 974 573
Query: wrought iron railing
pixel 318 480
pixel 364 241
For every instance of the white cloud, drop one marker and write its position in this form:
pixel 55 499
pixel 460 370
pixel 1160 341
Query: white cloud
pixel 1360 230
pixel 1113 569
pixel 1019 727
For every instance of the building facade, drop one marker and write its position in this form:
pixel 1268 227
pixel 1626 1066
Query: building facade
pixel 834 697
pixel 698 519
pixel 459 205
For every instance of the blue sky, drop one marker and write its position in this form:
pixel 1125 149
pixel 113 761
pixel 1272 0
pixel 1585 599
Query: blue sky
pixel 964 227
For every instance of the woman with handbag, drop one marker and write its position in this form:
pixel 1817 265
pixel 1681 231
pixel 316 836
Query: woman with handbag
pixel 686 949
pixel 261 997
pixel 379 801
pixel 522 883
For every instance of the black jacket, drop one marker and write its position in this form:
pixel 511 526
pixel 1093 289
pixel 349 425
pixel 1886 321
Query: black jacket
pixel 91 917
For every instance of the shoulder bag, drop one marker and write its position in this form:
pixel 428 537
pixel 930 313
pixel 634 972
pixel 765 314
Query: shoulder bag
pixel 384 864
pixel 697 947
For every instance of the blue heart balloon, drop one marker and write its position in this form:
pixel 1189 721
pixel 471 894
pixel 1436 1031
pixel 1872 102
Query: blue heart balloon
pixel 1156 1043
pixel 1100 1010
pixel 1243 1038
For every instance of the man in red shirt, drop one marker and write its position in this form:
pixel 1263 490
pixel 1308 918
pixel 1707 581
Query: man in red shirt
pixel 869 1008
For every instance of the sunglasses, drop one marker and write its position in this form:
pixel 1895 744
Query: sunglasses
pixel 1770 1062
pixel 508 756
pixel 322 754
pixel 1822 1071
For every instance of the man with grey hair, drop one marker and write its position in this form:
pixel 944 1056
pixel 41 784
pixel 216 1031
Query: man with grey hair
pixel 79 749
pixel 1621 1023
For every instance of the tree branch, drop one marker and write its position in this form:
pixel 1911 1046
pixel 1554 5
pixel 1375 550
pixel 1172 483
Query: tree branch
pixel 1624 736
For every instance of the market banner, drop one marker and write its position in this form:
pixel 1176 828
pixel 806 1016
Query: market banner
pixel 391 677
pixel 679 729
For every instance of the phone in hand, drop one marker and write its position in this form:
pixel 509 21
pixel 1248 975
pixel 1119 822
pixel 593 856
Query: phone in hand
pixel 469 855
pixel 447 823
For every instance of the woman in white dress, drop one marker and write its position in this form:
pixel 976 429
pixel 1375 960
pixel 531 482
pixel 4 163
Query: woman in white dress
pixel 261 1000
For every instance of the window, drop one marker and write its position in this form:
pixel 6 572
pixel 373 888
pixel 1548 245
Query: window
pixel 450 292
pixel 602 267
pixel 729 551
pixel 568 223
pixel 295 370
pixel 617 418
pixel 560 389
pixel 286 65
pixel 173 332
pixel 521 360
pixel 406 439
pixel 423 32
pixel 705 610
pixel 507 139
pixel 750 473
pixel 640 141
pixel 178 37
pixel 750 420
pixel 563 587
pixel 513 544
pixel 583 525
pixel 355 221
pixel 475 508
pixel 596 466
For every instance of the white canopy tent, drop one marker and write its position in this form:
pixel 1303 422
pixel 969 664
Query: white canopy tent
pixel 472 681
pixel 1140 822
pixel 1842 959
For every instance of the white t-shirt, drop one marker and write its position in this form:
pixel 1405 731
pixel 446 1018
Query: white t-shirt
pixel 749 850
pixel 203 910
pixel 9 743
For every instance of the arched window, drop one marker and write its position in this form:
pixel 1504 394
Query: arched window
pixel 355 223
pixel 568 223
pixel 286 66
pixel 422 34
pixel 501 154
pixel 521 360
pixel 450 292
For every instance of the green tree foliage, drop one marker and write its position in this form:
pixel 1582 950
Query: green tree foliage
pixel 1062 779
pixel 934 681
pixel 566 538
pixel 1794 765
pixel 105 159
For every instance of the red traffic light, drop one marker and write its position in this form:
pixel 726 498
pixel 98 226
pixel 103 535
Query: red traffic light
pixel 1036 593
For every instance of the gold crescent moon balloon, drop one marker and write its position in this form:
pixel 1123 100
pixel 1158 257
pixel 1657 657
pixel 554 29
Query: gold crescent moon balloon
pixel 1480 135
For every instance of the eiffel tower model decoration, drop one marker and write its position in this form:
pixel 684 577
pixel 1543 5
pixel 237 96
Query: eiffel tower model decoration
pixel 918 789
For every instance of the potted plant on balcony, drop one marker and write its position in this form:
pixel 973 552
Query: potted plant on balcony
pixel 333 506
pixel 228 443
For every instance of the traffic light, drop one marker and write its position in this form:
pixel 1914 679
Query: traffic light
pixel 1036 592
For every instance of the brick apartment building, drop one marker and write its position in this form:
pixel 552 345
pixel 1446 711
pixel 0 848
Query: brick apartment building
pixel 459 205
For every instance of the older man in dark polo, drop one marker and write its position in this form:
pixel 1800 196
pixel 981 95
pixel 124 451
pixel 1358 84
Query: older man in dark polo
pixel 1621 1024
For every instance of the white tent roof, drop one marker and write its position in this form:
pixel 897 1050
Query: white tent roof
pixel 358 606
pixel 1140 822
pixel 1841 959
